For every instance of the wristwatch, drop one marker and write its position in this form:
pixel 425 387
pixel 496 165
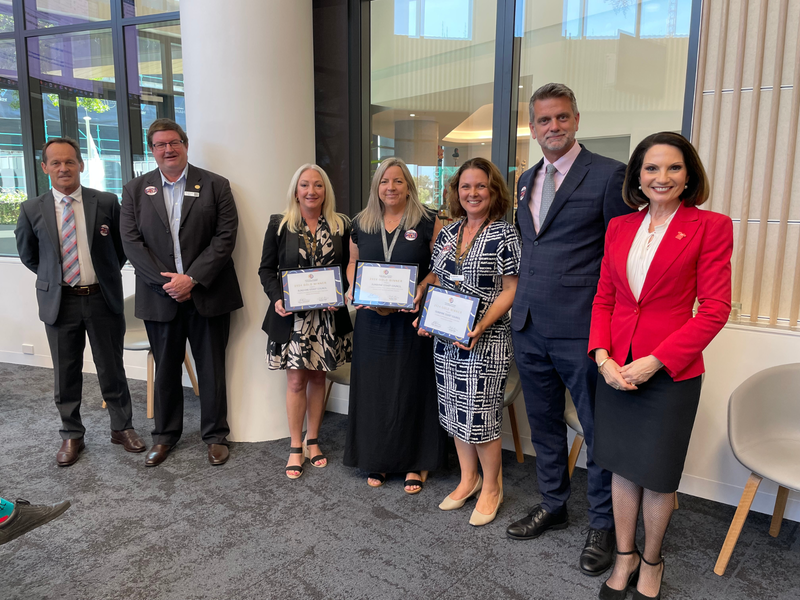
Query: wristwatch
pixel 193 280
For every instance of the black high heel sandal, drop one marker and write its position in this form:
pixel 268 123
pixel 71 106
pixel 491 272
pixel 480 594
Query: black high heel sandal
pixel 298 468
pixel 609 593
pixel 314 459
pixel 415 482
pixel 637 595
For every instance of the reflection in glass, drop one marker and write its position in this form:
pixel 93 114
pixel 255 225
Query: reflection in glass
pixel 155 84
pixel 625 60
pixel 42 14
pixel 6 16
pixel 137 8
pixel 72 94
pixel 12 166
pixel 432 77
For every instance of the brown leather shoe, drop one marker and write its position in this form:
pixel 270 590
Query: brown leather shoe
pixel 128 439
pixel 68 453
pixel 157 455
pixel 218 454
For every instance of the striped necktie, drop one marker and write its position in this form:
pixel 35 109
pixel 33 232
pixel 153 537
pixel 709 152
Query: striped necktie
pixel 69 245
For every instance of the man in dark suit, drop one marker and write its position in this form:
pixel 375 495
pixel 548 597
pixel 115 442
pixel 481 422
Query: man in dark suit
pixel 564 205
pixel 70 238
pixel 178 229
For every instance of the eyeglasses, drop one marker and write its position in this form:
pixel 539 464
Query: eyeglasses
pixel 174 144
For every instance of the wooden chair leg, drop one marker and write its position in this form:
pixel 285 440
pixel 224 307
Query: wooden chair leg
pixel 151 383
pixel 676 507
pixel 327 396
pixel 777 514
pixel 737 523
pixel 577 444
pixel 512 415
pixel 190 371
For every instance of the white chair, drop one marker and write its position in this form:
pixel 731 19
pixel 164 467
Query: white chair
pixel 764 433
pixel 136 339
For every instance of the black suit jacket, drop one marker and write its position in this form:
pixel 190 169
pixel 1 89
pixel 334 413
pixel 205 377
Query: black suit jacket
pixel 282 251
pixel 39 247
pixel 207 237
pixel 560 265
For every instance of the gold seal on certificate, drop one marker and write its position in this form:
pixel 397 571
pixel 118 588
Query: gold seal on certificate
pixel 312 288
pixel 449 315
pixel 390 285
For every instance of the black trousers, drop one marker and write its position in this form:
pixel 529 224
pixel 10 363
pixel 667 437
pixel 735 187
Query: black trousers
pixel 208 338
pixel 77 317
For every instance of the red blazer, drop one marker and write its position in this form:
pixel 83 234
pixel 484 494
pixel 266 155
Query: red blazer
pixel 692 262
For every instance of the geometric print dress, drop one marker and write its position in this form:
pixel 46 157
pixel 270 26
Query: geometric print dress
pixel 471 384
pixel 314 344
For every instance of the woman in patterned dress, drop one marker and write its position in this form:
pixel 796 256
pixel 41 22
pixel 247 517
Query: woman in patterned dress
pixel 479 255
pixel 306 344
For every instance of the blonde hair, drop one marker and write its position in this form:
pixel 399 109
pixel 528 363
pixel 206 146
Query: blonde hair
pixel 370 220
pixel 292 217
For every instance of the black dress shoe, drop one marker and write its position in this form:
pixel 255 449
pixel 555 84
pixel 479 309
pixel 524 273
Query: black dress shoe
pixel 26 517
pixel 218 454
pixel 536 523
pixel 128 439
pixel 598 552
pixel 157 455
pixel 68 453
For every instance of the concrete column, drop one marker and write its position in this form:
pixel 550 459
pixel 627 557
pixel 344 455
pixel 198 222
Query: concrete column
pixel 249 79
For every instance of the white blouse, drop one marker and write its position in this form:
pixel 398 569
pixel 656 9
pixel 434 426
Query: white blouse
pixel 642 252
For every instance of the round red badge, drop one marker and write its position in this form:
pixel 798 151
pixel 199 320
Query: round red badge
pixel 411 235
pixel 104 230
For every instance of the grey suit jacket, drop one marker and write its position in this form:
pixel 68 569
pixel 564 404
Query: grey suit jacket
pixel 560 264
pixel 207 237
pixel 39 247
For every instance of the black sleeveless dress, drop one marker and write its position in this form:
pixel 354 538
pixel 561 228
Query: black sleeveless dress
pixel 393 421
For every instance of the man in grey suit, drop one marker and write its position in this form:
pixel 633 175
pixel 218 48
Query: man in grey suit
pixel 179 228
pixel 70 238
pixel 565 204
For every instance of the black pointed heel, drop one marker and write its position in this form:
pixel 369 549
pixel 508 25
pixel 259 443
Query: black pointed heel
pixel 637 595
pixel 609 593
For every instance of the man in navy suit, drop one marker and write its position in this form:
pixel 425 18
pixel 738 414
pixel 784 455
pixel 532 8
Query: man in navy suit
pixel 564 205
pixel 69 236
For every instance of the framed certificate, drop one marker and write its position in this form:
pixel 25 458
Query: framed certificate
pixel 390 285
pixel 449 315
pixel 312 288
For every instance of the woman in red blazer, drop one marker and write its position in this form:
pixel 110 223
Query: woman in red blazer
pixel 648 345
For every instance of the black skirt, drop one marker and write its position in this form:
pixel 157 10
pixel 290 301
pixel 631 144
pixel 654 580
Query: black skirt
pixel 643 435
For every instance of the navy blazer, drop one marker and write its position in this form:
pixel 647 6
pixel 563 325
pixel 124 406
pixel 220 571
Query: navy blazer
pixel 209 223
pixel 39 247
pixel 560 265
pixel 282 251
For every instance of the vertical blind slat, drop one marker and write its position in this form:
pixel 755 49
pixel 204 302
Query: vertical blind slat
pixel 700 81
pixel 722 44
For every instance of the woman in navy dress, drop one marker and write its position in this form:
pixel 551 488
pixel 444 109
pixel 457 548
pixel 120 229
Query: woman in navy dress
pixel 392 423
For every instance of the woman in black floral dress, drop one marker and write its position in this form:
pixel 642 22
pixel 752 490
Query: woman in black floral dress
pixel 306 344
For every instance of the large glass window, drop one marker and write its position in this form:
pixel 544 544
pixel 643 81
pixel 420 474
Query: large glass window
pixel 431 85
pixel 138 8
pixel 12 167
pixel 72 94
pixel 625 61
pixel 6 16
pixel 42 14
pixel 155 86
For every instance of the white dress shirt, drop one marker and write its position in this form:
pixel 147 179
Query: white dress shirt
pixel 88 276
pixel 173 202
pixel 562 165
pixel 642 251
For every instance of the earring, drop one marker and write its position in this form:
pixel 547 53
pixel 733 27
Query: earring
pixel 686 187
pixel 640 187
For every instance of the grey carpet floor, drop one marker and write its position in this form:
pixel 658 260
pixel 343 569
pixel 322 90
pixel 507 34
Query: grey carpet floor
pixel 186 530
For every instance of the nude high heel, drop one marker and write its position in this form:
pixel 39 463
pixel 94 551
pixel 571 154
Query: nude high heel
pixel 478 518
pixel 449 504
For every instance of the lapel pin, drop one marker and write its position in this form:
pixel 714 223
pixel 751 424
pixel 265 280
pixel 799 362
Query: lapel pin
pixel 104 229
pixel 150 190
pixel 197 187
pixel 680 235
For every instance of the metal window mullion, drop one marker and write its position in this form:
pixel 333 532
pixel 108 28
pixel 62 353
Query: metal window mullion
pixel 359 95
pixel 121 91
pixel 23 87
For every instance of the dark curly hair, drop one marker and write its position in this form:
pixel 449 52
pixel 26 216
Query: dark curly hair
pixel 499 196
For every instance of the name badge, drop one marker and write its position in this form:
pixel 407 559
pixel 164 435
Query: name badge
pixel 456 278
pixel 192 194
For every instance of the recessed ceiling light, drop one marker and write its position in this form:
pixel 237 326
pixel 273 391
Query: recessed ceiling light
pixel 412 115
pixel 520 87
